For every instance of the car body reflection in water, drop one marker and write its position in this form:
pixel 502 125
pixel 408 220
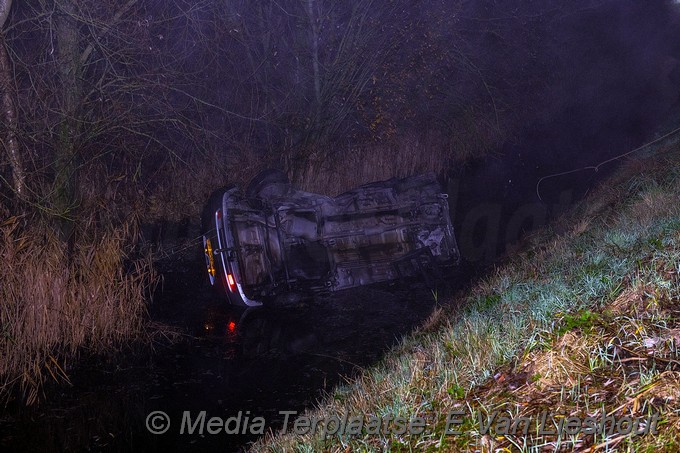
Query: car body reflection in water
pixel 259 332
pixel 267 360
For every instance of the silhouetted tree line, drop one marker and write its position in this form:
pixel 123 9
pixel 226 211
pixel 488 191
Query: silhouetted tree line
pixel 98 96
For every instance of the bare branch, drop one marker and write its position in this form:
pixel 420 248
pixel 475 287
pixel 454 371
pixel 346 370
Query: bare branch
pixel 114 20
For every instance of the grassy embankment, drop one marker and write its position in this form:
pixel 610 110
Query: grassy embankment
pixel 584 322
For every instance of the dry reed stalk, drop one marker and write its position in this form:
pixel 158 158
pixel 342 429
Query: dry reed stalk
pixel 55 304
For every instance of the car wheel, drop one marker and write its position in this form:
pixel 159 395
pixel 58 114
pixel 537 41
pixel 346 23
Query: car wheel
pixel 273 182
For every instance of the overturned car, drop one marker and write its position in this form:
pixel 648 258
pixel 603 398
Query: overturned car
pixel 273 240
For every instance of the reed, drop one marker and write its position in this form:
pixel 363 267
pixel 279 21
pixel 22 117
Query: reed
pixel 58 301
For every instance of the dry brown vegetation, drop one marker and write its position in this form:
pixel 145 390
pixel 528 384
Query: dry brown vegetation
pixel 58 303
pixel 622 362
pixel 344 167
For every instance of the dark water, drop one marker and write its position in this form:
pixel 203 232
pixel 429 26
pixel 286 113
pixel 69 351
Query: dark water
pixel 257 362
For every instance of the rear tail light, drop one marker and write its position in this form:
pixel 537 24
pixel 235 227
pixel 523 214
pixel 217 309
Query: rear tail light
pixel 231 282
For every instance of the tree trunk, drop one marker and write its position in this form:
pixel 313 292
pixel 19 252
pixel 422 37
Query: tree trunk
pixel 9 117
pixel 314 31
pixel 9 110
pixel 66 163
pixel 314 20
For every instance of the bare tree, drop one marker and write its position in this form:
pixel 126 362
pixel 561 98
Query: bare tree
pixel 101 96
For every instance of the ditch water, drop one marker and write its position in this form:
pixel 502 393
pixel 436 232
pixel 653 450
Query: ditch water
pixel 258 362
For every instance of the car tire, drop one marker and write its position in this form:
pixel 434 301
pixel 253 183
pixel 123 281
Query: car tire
pixel 275 181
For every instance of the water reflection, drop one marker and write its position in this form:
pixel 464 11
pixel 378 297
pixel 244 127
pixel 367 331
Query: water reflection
pixel 258 331
pixel 258 360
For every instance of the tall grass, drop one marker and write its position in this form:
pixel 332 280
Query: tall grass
pixel 180 187
pixel 335 170
pixel 58 302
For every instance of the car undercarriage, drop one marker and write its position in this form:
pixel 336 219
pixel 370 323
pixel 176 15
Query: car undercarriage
pixel 274 239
